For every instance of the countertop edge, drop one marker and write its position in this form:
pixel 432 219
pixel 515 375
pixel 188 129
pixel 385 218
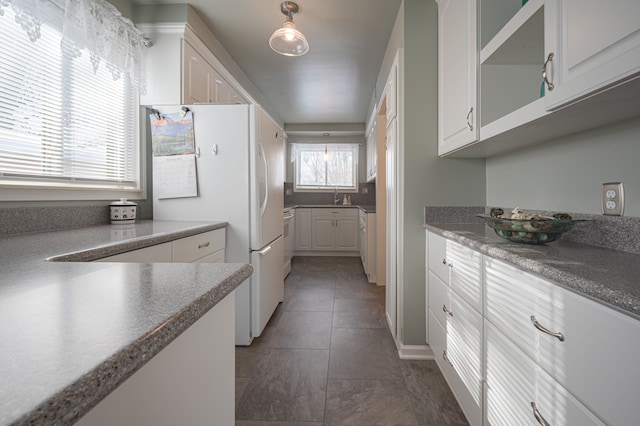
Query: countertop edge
pixel 365 208
pixel 71 403
pixel 581 285
pixel 125 246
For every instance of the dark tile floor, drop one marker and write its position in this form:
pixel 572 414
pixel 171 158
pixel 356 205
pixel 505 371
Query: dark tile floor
pixel 327 358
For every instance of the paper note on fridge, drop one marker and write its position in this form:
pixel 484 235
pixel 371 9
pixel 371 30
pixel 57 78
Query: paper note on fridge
pixel 175 176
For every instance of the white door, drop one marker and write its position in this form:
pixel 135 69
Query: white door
pixel 594 45
pixel 267 192
pixel 392 249
pixel 267 284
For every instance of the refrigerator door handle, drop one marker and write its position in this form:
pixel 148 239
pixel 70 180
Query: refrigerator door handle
pixel 264 251
pixel 263 154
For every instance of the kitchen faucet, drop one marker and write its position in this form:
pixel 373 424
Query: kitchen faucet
pixel 336 197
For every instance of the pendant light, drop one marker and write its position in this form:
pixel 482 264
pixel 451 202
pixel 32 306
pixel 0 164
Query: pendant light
pixel 288 41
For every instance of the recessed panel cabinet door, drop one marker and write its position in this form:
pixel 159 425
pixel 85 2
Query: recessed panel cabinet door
pixel 457 73
pixel 346 233
pixel 594 44
pixel 519 392
pixel 197 76
pixel 322 233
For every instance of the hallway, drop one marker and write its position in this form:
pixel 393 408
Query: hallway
pixel 327 358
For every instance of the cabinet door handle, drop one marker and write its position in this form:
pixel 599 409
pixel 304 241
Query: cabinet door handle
pixel 470 119
pixel 446 358
pixel 203 245
pixel 550 85
pixel 449 264
pixel 447 311
pixel 538 416
pixel 537 325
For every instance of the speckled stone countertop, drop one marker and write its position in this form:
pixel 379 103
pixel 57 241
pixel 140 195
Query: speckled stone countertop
pixel 366 209
pixel 604 275
pixel 73 331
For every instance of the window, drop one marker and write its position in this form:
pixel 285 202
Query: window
pixel 324 167
pixel 61 125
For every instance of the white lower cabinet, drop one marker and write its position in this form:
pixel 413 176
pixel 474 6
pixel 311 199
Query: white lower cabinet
pixel 334 229
pixel 519 392
pixel 368 244
pixel 455 325
pixel 588 348
pixel 207 247
pixel 534 353
pixel 189 382
pixel 303 229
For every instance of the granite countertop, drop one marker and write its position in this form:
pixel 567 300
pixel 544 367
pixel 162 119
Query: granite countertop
pixel 366 209
pixel 604 275
pixel 73 331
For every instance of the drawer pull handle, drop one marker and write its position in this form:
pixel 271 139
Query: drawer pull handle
pixel 445 357
pixel 538 416
pixel 203 245
pixel 447 311
pixel 537 325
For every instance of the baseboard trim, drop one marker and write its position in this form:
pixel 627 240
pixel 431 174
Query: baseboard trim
pixel 415 352
pixel 326 253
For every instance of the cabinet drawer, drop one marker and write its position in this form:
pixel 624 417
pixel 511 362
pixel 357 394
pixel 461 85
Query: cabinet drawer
pixel 514 382
pixel 438 297
pixel 465 273
pixel 597 361
pixel 192 248
pixel 438 343
pixel 338 212
pixel 464 345
pixel 436 255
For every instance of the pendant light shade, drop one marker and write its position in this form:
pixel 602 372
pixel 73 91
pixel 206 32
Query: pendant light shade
pixel 288 41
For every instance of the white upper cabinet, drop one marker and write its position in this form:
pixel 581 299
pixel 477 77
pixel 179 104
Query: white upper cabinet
pixel 371 138
pixel 182 70
pixel 594 45
pixel 197 76
pixel 457 74
pixel 547 69
pixel 391 91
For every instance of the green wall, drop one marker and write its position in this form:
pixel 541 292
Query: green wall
pixel 567 174
pixel 428 180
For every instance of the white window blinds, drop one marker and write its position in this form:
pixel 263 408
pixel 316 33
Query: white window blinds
pixel 61 124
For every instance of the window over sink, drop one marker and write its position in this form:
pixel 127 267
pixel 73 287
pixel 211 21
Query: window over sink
pixel 325 167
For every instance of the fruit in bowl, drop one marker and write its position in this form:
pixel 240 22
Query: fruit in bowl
pixel 521 227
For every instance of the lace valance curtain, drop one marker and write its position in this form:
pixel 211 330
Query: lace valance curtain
pixel 94 25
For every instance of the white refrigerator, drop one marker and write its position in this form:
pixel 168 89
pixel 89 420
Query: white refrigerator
pixel 240 175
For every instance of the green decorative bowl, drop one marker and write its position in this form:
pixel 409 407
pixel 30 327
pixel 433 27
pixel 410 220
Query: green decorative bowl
pixel 529 231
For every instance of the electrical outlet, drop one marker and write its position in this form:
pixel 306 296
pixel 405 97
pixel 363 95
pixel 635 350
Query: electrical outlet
pixel 612 199
pixel 365 190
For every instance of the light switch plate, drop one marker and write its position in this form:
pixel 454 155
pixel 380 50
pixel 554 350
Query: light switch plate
pixel 612 199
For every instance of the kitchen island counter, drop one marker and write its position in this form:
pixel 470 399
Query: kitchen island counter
pixel 604 275
pixel 73 330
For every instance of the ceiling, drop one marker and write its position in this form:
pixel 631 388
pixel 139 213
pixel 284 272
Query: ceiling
pixel 334 82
